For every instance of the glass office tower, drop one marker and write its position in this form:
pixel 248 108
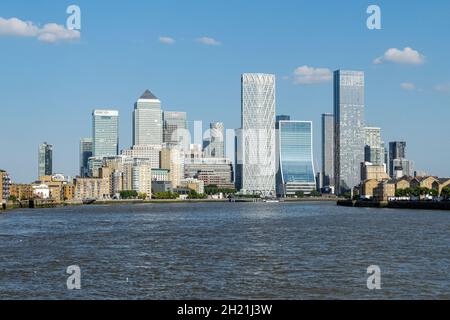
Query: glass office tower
pixel 295 151
pixel 174 122
pixel 397 150
pixel 348 128
pixel 256 139
pixel 45 166
pixel 327 149
pixel 86 151
pixel 374 146
pixel 147 120
pixel 105 133
pixel 214 145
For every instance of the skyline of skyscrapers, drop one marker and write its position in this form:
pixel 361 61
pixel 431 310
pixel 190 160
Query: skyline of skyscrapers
pixel 257 156
pixel 105 133
pixel 45 165
pixel 349 126
pixel 147 120
pixel 274 154
pixel 295 152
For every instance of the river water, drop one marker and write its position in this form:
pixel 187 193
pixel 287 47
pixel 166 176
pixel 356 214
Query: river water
pixel 224 251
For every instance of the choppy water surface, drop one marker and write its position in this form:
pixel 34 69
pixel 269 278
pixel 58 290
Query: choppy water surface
pixel 224 251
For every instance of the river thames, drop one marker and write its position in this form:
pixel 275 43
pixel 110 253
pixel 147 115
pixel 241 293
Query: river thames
pixel 224 251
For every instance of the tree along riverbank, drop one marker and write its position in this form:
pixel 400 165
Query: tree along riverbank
pixel 420 205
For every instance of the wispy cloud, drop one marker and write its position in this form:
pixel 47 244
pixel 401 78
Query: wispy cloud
pixel 167 40
pixel 49 33
pixel 208 41
pixel 408 86
pixel 308 75
pixel 442 88
pixel 405 56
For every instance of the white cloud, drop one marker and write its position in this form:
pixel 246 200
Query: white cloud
pixel 208 41
pixel 166 40
pixel 307 75
pixel 408 86
pixel 442 88
pixel 50 32
pixel 405 56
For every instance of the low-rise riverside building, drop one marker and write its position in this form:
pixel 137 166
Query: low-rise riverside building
pixel 384 191
pixel 367 188
pixel 193 184
pixel 21 191
pixel 161 186
pixel 5 184
pixel 370 171
pixel 425 182
pixel 91 188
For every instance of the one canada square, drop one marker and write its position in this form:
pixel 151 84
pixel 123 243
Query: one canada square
pixel 257 150
pixel 349 128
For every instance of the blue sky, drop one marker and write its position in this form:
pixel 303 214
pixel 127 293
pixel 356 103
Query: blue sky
pixel 49 88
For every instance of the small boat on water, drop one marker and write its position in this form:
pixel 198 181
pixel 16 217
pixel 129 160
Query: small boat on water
pixel 88 201
pixel 271 200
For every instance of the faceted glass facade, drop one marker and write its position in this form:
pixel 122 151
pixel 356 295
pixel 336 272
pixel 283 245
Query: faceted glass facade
pixel 349 128
pixel 105 133
pixel 296 157
pixel 258 150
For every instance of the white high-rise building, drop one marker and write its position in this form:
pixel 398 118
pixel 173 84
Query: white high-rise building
pixel 256 159
pixel 147 120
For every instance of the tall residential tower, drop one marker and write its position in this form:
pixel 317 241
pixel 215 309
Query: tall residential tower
pixel 256 157
pixel 348 128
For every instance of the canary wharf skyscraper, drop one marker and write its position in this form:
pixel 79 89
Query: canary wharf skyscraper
pixel 86 146
pixel 147 120
pixel 348 128
pixel 105 133
pixel 328 149
pixel 295 152
pixel 257 155
pixel 174 123
pixel 45 160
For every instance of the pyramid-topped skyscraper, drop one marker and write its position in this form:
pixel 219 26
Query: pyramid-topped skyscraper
pixel 147 120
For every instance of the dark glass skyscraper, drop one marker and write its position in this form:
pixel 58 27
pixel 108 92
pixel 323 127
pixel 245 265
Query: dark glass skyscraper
pixel 348 128
pixel 328 149
pixel 45 160
pixel 86 147
pixel 397 150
